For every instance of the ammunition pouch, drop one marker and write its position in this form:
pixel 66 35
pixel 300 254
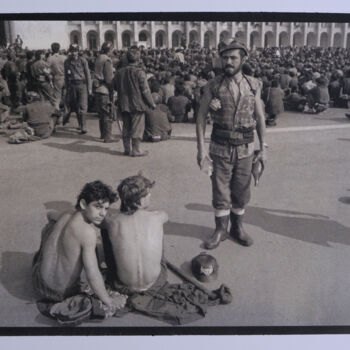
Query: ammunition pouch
pixel 229 137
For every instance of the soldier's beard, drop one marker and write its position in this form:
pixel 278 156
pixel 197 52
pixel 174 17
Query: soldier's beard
pixel 230 71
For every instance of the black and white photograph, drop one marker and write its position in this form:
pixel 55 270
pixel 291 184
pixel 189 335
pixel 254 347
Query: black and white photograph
pixel 174 173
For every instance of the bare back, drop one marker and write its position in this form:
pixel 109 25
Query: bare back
pixel 62 261
pixel 137 243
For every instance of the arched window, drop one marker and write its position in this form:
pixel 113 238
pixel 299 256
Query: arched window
pixel 109 36
pixel 143 36
pixel 126 40
pixel 92 40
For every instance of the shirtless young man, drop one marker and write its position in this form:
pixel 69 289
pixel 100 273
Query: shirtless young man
pixel 68 246
pixel 136 237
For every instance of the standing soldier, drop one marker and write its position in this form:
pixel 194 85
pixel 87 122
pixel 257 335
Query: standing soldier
pixel 104 91
pixel 133 97
pixel 56 63
pixel 42 77
pixel 234 101
pixel 78 84
pixel 11 75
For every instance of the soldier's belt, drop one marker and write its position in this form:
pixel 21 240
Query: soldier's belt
pixel 229 137
pixel 76 82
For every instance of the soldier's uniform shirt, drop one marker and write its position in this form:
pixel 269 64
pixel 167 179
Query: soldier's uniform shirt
pixel 232 153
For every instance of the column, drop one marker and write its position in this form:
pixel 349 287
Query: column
pixel 136 36
pixel 217 33
pixel 331 39
pixel 83 35
pixel 318 33
pixel 201 34
pixel 101 38
pixel 277 34
pixel 118 34
pixel 8 32
pixel 153 35
pixel 344 35
pixel 169 29
pixel 291 33
pixel 305 34
pixel 187 31
pixel 247 40
pixel 233 29
pixel 262 34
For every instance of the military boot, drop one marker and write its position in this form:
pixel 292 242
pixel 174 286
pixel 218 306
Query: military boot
pixel 81 122
pixel 237 232
pixel 127 146
pixel 220 233
pixel 102 128
pixel 108 132
pixel 136 151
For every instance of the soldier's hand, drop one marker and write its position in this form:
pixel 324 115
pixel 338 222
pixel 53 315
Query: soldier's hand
pixel 90 92
pixel 203 156
pixel 215 104
pixel 262 156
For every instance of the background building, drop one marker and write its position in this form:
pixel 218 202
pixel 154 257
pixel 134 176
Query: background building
pixel 91 34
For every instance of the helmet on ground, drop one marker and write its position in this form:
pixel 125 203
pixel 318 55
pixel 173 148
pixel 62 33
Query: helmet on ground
pixel 233 45
pixel 204 267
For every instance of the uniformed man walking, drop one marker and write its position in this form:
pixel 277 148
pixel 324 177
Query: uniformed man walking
pixel 103 89
pixel 235 104
pixel 78 84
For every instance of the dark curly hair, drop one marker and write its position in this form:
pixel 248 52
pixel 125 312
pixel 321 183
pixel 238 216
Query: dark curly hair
pixel 96 191
pixel 131 190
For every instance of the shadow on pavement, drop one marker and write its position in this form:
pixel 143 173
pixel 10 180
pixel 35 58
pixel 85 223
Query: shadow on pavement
pixel 72 133
pixel 345 200
pixel 334 119
pixel 46 321
pixel 187 230
pixel 343 139
pixel 311 228
pixel 80 147
pixel 15 274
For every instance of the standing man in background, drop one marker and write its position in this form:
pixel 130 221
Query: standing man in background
pixel 133 97
pixel 56 63
pixel 78 83
pixel 235 103
pixel 103 88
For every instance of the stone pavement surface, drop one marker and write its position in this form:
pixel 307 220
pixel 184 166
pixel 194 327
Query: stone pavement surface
pixel 295 274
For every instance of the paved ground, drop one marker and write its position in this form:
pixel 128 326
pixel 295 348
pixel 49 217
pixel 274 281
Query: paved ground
pixel 296 273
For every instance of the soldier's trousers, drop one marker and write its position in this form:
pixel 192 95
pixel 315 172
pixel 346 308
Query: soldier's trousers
pixel 231 176
pixel 105 115
pixel 77 98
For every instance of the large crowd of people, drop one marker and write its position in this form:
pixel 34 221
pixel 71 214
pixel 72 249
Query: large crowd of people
pixel 303 79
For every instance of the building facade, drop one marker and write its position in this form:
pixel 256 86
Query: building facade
pixel 171 34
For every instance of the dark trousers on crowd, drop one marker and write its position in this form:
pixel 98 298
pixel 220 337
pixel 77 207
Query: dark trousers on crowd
pixel 77 98
pixel 133 127
pixel 46 92
pixel 104 111
pixel 58 83
pixel 16 92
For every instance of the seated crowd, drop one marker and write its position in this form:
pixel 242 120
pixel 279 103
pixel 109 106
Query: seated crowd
pixel 302 79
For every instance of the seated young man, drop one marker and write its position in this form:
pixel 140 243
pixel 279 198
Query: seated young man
pixel 68 246
pixel 157 126
pixel 136 238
